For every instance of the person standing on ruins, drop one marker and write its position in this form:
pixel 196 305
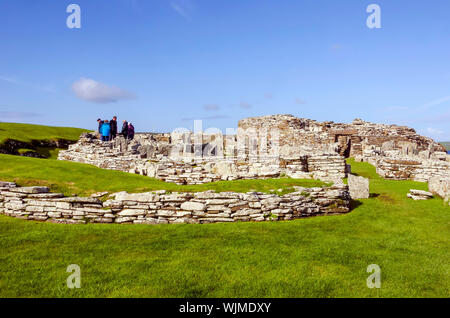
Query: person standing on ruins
pixel 105 130
pixel 124 131
pixel 100 123
pixel 130 131
pixel 113 125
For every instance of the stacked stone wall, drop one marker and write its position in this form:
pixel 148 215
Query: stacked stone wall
pixel 158 207
pixel 408 168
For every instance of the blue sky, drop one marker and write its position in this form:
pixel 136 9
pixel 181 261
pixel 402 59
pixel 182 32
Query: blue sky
pixel 163 63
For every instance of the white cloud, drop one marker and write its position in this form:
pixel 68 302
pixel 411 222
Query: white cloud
pixel 245 105
pixel 433 131
pixel 205 118
pixel 93 91
pixel 336 46
pixel 434 103
pixel 211 107
pixel 180 10
pixel 299 101
pixel 16 115
pixel 436 134
pixel 10 80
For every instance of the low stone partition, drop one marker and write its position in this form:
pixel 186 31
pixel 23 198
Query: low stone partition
pixel 158 207
pixel 411 168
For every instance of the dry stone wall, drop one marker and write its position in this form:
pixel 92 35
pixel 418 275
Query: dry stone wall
pixel 158 207
pixel 404 168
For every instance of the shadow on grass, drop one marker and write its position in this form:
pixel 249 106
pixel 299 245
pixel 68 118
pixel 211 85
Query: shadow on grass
pixel 354 204
pixel 374 195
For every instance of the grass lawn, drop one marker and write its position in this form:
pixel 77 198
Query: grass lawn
pixel 316 257
pixel 82 179
pixel 28 132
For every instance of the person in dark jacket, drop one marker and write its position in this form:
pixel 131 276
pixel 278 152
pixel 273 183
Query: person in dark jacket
pixel 100 123
pixel 130 131
pixel 105 131
pixel 113 125
pixel 124 131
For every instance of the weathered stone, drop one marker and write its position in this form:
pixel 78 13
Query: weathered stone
pixel 80 200
pixel 137 197
pixel 32 190
pixel 63 205
pixel 359 187
pixel 440 186
pixel 8 185
pixel 421 193
pixel 193 206
pixel 131 212
pixel 46 196
pixel 32 208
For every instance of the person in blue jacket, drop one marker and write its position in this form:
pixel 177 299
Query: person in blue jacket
pixel 105 131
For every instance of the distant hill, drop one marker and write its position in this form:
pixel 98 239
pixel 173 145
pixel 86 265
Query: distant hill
pixel 446 145
pixel 36 140
pixel 28 132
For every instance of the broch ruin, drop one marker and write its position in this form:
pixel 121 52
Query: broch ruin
pixel 262 147
pixel 269 146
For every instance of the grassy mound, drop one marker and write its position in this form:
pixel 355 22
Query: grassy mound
pixel 28 132
pixel 316 257
pixel 82 179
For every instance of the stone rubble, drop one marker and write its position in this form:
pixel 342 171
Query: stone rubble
pixel 157 207
pixel 419 195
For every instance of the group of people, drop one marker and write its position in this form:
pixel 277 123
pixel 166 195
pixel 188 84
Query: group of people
pixel 108 129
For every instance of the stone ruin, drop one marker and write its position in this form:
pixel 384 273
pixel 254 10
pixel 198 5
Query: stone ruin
pixel 263 147
pixel 161 207
pixel 269 147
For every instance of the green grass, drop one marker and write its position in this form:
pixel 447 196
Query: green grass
pixel 316 257
pixel 24 150
pixel 446 145
pixel 28 132
pixel 82 179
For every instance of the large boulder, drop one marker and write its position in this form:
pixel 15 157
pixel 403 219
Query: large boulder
pixel 358 186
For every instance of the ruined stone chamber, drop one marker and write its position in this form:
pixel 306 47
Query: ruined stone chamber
pixel 263 147
pixel 269 147
pixel 159 207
